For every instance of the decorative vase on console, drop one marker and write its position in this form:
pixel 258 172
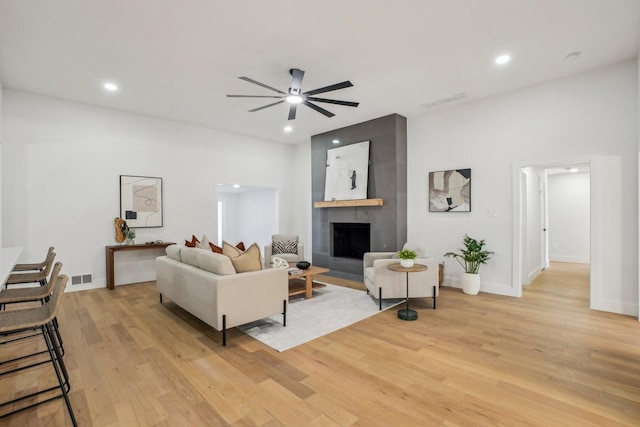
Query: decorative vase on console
pixel 406 258
pixel 131 235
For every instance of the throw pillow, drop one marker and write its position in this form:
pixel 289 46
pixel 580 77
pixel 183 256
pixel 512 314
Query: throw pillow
pixel 192 244
pixel 204 244
pixel 249 260
pixel 240 246
pixel 284 246
pixel 230 250
pixel 215 248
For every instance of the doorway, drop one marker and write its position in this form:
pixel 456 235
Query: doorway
pixel 247 214
pixel 554 220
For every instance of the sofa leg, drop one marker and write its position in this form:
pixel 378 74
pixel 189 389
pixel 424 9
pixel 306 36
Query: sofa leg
pixel 434 297
pixel 284 312
pixel 380 299
pixel 160 298
pixel 224 330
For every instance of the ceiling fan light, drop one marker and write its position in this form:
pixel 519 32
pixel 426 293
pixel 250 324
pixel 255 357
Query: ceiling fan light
pixel 294 99
pixel 503 59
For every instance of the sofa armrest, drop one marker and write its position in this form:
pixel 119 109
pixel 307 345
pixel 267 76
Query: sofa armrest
pixel 246 297
pixel 300 252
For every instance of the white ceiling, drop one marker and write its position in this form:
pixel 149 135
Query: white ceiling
pixel 178 59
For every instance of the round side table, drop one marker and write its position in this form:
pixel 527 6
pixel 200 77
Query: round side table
pixel 406 313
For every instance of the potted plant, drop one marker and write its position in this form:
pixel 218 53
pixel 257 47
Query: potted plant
pixel 406 257
pixel 131 234
pixel 471 258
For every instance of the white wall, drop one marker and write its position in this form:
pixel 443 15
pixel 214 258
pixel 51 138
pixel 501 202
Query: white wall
pixel 62 162
pixel 592 116
pixel 1 149
pixel 302 203
pixel 569 217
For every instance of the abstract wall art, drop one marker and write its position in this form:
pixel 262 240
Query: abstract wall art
pixel 347 172
pixel 141 201
pixel 450 191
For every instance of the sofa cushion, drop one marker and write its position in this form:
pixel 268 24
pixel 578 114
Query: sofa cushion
pixel 190 255
pixel 249 260
pixel 173 252
pixel 286 257
pixel 215 263
pixel 284 246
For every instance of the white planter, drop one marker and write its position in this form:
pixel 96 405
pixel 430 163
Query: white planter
pixel 406 263
pixel 470 283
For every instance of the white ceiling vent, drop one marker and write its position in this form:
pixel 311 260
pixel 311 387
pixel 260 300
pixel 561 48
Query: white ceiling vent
pixel 443 101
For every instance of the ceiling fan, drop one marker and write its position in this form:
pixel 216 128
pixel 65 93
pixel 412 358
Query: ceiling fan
pixel 295 95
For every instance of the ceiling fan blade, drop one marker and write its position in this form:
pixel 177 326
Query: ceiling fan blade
pixel 318 109
pixel 247 79
pixel 333 101
pixel 292 111
pixel 330 88
pixel 266 106
pixel 296 81
pixel 253 96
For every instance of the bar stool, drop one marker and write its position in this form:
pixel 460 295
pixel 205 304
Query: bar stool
pixel 32 277
pixel 36 266
pixel 13 321
pixel 39 293
pixel 32 294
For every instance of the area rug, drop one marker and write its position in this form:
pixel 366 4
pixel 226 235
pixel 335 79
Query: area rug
pixel 331 308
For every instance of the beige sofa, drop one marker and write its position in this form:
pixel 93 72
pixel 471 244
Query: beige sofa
pixel 206 285
pixel 383 283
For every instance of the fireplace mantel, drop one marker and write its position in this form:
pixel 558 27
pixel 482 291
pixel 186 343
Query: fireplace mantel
pixel 348 203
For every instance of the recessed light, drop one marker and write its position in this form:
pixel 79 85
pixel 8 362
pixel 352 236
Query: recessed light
pixel 288 128
pixel 236 185
pixel 503 59
pixel 336 141
pixel 573 170
pixel 110 86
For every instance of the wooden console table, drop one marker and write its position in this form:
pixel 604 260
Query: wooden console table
pixel 111 250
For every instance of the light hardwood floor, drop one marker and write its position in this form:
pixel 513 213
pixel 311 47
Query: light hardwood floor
pixel 485 360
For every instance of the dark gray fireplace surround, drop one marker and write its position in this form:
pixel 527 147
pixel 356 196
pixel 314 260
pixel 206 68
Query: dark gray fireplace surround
pixel 387 180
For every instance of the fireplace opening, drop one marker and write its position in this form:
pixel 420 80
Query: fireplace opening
pixel 350 240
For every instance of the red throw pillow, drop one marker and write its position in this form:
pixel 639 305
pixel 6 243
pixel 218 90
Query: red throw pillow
pixel 192 243
pixel 241 246
pixel 215 248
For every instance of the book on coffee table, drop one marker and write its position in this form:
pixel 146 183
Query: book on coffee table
pixel 293 271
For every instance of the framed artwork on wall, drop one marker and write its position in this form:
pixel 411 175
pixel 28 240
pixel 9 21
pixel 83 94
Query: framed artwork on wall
pixel 450 191
pixel 347 172
pixel 141 201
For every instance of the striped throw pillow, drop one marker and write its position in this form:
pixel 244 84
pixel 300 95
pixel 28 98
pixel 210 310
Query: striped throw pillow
pixel 284 246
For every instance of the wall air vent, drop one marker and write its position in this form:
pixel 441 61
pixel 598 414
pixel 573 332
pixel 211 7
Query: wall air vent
pixel 444 101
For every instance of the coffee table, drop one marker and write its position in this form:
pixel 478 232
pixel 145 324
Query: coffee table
pixel 308 276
